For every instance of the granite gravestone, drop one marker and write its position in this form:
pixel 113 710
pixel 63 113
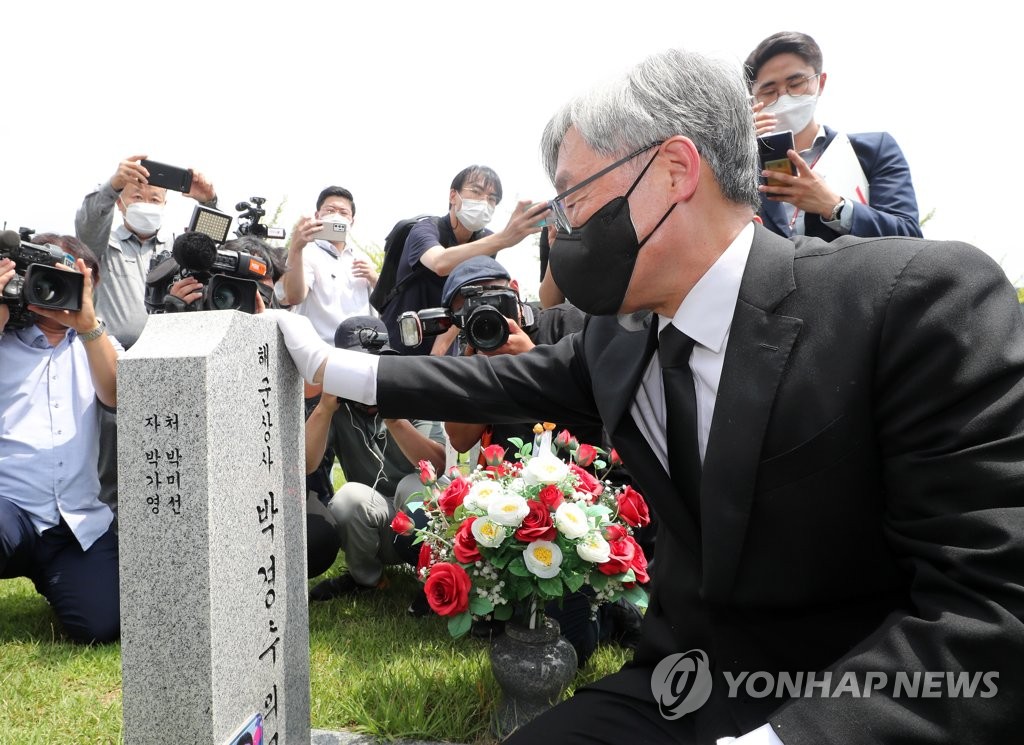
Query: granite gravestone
pixel 214 617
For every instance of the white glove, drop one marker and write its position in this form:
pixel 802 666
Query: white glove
pixel 307 349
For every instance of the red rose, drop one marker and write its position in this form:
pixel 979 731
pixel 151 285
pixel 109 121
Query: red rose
pixel 427 474
pixel 613 458
pixel 498 471
pixel 402 524
pixel 620 558
pixel 551 497
pixel 639 563
pixel 425 559
pixel 493 454
pixel 588 483
pixel 537 525
pixel 633 508
pixel 614 533
pixel 447 589
pixel 453 496
pixel 585 455
pixel 564 440
pixel 464 547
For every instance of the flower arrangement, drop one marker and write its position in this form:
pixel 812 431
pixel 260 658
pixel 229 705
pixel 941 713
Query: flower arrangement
pixel 512 535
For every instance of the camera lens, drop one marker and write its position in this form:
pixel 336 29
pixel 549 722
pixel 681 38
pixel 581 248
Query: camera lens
pixel 486 328
pixel 52 288
pixel 47 290
pixel 229 293
pixel 224 297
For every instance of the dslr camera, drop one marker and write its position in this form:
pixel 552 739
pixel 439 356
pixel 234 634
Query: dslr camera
pixel 36 280
pixel 229 277
pixel 482 319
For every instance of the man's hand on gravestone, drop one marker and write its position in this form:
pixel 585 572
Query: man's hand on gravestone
pixel 308 350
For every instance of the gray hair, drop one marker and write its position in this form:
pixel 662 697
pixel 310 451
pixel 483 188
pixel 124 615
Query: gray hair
pixel 670 93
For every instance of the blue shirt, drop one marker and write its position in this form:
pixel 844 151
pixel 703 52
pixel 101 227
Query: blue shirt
pixel 49 433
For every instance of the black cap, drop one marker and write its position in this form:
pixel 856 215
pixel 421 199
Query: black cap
pixel 471 271
pixel 355 330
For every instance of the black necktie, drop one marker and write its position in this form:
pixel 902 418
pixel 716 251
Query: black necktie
pixel 674 348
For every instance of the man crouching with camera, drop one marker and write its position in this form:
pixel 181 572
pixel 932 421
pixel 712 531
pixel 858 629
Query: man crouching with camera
pixel 57 368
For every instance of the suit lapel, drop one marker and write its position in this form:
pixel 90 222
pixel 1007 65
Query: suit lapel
pixel 619 364
pixel 759 346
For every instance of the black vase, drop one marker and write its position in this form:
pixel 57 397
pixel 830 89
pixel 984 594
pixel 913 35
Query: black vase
pixel 533 668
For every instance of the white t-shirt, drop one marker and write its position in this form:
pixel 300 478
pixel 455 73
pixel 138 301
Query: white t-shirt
pixel 332 292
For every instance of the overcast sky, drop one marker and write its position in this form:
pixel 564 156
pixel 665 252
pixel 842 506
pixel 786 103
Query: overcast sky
pixel 392 99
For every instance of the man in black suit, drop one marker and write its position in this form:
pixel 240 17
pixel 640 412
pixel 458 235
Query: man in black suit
pixel 841 535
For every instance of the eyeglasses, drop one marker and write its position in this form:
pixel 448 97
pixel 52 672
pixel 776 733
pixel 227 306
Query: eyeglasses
pixel 798 87
pixel 557 205
pixel 474 191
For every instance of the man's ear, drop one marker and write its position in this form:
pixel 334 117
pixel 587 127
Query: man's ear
pixel 451 198
pixel 683 165
pixel 514 284
pixel 822 77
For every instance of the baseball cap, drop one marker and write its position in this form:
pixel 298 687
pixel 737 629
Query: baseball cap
pixel 470 271
pixel 357 333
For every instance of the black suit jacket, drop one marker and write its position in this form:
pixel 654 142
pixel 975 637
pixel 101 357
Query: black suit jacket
pixel 862 498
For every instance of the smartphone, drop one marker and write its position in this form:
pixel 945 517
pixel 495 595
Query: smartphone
pixel 332 231
pixel 169 177
pixel 772 150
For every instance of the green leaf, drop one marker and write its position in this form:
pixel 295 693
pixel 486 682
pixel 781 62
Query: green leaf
pixel 517 441
pixel 480 606
pixel 598 581
pixel 551 587
pixel 574 581
pixel 636 595
pixel 518 567
pixel 503 612
pixel 459 625
pixel 523 590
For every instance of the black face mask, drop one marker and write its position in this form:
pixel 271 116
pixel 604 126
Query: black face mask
pixel 593 264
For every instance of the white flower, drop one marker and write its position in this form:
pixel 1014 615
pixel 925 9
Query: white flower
pixel 481 493
pixel 594 548
pixel 546 468
pixel 571 520
pixel 507 509
pixel 543 558
pixel 487 532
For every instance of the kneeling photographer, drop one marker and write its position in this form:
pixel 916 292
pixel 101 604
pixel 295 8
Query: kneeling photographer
pixel 57 370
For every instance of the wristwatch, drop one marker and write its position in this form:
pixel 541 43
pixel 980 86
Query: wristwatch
pixel 101 326
pixel 837 210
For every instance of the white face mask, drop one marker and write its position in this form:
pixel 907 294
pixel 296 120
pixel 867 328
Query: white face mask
pixel 793 112
pixel 474 214
pixel 144 218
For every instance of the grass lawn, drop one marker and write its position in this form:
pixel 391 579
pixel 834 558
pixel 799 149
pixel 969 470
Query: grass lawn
pixel 373 669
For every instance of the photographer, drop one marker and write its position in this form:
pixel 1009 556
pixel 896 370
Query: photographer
pixel 128 252
pixel 379 458
pixel 55 375
pixel 328 278
pixel 434 247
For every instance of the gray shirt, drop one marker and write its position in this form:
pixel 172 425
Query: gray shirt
pixel 124 263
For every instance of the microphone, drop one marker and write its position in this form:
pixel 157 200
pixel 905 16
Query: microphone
pixel 195 251
pixel 10 239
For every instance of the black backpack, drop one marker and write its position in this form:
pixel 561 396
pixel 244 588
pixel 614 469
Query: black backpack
pixel 387 285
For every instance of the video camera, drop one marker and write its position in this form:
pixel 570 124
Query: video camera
pixel 483 318
pixel 249 220
pixel 229 277
pixel 37 281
